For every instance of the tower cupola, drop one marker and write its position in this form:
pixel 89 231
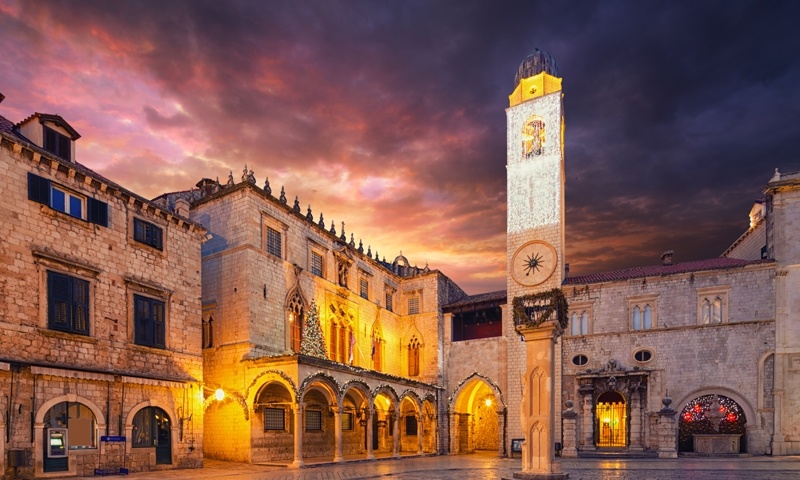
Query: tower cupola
pixel 536 76
pixel 536 63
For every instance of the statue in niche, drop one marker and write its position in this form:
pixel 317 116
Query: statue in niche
pixel 344 270
pixel 533 137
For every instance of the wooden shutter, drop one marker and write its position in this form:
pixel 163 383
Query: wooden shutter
pixel 64 150
pixel 80 305
pixel 98 212
pixel 157 237
pixel 142 321
pixel 158 324
pixel 59 300
pixel 38 189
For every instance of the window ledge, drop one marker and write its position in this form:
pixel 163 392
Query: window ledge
pixel 67 336
pixel 146 349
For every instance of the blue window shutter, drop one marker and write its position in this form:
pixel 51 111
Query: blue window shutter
pixel 157 238
pixel 80 305
pixel 158 324
pixel 38 189
pixel 143 327
pixel 98 212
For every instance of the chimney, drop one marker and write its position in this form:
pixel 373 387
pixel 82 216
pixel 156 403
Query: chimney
pixel 666 257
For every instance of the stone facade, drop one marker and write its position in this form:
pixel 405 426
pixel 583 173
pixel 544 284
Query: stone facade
pixel 73 356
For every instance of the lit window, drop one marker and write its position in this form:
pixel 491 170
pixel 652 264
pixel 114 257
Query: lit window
pixel 316 263
pixel 148 233
pixel 68 303
pixel 151 427
pixel 364 288
pixel 413 305
pixel 274 419
pixel 79 421
pixel 274 246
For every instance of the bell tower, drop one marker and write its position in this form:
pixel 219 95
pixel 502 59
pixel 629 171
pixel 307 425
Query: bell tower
pixel 535 169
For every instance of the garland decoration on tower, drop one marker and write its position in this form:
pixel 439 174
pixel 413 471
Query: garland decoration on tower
pixel 534 309
pixel 313 342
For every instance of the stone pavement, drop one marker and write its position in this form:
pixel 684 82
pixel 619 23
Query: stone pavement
pixel 480 466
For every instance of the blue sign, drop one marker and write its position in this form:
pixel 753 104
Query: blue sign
pixel 112 438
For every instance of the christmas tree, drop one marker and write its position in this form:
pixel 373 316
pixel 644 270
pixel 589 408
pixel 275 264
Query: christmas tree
pixel 313 341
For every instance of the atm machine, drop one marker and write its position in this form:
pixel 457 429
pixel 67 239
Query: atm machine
pixel 56 443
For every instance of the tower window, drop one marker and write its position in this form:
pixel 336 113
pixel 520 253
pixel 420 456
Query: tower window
pixel 413 305
pixel 274 246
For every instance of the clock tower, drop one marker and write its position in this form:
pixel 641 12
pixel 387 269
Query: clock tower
pixel 535 169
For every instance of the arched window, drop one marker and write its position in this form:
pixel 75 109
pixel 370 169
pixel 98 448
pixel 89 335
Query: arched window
pixel 705 311
pixel 334 342
pixel 151 428
pixel 648 317
pixel 716 311
pixel 584 323
pixel 637 318
pixel 79 422
pixel 413 357
pixel 296 309
pixel 574 327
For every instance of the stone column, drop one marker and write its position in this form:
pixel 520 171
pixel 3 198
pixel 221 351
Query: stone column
pixel 396 433
pixel 419 433
pixel 537 409
pixel 299 409
pixel 587 429
pixel 370 418
pixel 570 429
pixel 501 421
pixel 635 423
pixel 337 420
pixel 667 440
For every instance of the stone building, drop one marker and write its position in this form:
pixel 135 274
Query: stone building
pixel 319 348
pixel 101 364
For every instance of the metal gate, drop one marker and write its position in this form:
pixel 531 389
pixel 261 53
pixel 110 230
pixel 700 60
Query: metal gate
pixel 611 420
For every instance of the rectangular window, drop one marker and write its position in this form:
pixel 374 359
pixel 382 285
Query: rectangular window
pixel 313 421
pixel 413 305
pixel 347 421
pixel 389 301
pixel 316 263
pixel 55 196
pixel 274 246
pixel 411 425
pixel 68 303
pixel 274 419
pixel 148 233
pixel 57 143
pixel 364 288
pixel 149 321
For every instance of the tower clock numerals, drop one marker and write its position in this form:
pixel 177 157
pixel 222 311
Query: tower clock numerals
pixel 533 263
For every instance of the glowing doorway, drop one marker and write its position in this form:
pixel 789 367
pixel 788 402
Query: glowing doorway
pixel 611 420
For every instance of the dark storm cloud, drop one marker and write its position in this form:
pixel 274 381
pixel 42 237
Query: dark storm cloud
pixel 676 112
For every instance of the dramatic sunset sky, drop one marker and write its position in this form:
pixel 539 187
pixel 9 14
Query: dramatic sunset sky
pixel 390 115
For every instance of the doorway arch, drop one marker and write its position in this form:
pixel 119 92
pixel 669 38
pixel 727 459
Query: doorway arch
pixel 611 420
pixel 477 417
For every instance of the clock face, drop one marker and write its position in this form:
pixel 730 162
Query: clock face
pixel 533 263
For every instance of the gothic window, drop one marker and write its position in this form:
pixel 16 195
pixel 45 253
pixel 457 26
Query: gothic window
pixel 533 136
pixel 712 305
pixel 642 312
pixel 296 311
pixel 413 357
pixel 579 323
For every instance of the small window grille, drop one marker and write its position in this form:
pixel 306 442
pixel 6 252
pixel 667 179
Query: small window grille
pixel 411 425
pixel 347 421
pixel 316 264
pixel 389 302
pixel 313 420
pixel 413 305
pixel 274 419
pixel 364 288
pixel 274 246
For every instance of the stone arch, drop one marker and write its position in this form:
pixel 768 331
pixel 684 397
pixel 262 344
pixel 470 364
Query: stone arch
pixel 323 383
pixel 385 408
pixel 413 397
pixel 477 416
pixel 359 386
pixel 695 418
pixel 732 394
pixel 174 423
pixel 766 383
pixel 272 376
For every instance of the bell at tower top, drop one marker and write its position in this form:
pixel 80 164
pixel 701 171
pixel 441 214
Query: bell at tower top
pixel 536 76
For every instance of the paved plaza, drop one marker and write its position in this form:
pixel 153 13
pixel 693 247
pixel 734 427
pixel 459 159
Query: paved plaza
pixel 480 466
